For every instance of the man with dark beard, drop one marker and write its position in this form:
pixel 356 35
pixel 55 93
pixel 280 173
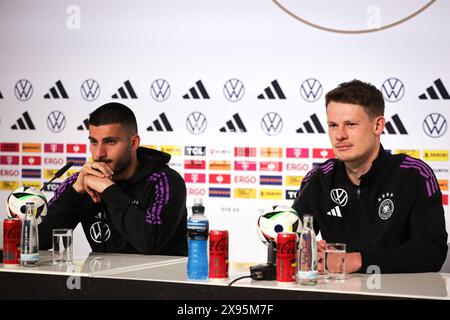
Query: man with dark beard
pixel 127 199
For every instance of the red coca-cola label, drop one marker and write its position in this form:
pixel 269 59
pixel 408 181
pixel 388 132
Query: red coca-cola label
pixel 218 254
pixel 287 257
pixel 11 241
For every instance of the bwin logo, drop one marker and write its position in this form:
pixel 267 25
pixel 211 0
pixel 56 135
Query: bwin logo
pixel 23 90
pixel 311 90
pixel 160 90
pixel 90 90
pixel 435 125
pixel 56 121
pixel 196 123
pixel 233 90
pixel 272 123
pixel 393 90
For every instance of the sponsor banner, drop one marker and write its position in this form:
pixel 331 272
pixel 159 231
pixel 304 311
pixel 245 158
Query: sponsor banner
pixel 271 180
pixel 9 185
pixel 220 192
pixel 175 165
pixel 271 152
pixel 31 173
pixel 195 151
pixel 195 164
pixel 77 161
pixel 31 160
pixel 271 166
pixel 245 152
pixel 445 199
pixel 297 153
pixel 75 148
pixel 246 179
pixel 219 152
pixel 70 173
pixel 53 147
pixel 245 165
pixel 173 150
pixel 411 153
pixel 150 146
pixel 52 186
pixel 10 160
pixel 220 178
pixel 440 171
pixel 31 147
pixel 54 161
pixel 435 155
pixel 244 193
pixel 443 185
pixel 196 192
pixel 49 173
pixel 294 181
pixel 9 173
pixel 195 177
pixel 300 167
pixel 326 153
pixel 271 194
pixel 9 147
pixel 291 194
pixel 34 184
pixel 219 165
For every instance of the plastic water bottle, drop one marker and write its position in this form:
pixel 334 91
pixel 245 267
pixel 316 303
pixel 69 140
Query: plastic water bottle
pixel 29 239
pixel 308 253
pixel 198 230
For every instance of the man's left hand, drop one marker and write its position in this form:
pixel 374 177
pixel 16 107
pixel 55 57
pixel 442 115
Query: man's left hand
pixel 95 186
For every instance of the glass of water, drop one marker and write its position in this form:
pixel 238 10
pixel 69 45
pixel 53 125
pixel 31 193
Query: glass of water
pixel 334 262
pixel 62 246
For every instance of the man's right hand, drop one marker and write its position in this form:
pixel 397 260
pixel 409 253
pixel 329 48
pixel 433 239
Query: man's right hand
pixel 99 169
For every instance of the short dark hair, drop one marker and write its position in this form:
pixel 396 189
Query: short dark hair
pixel 359 93
pixel 114 112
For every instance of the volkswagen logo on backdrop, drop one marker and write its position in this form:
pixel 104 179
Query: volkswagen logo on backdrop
pixel 196 122
pixel 271 123
pixel 435 125
pixel 23 90
pixel 160 90
pixel 311 90
pixel 393 89
pixel 233 90
pixel 90 90
pixel 56 121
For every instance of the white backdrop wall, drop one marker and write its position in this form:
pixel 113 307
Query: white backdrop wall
pixel 125 46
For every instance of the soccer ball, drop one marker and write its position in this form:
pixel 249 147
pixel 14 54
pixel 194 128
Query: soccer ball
pixel 16 203
pixel 276 219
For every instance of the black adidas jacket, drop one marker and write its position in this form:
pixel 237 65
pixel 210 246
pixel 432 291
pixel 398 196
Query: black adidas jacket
pixel 143 214
pixel 395 218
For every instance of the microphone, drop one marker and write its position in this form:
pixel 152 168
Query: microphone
pixel 59 173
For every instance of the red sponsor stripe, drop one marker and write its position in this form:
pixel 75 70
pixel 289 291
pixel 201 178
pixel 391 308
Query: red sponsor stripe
pixel 195 164
pixel 245 165
pixel 9 147
pixel 323 153
pixel 297 152
pixel 445 199
pixel 9 160
pixel 271 166
pixel 195 177
pixel 220 178
pixel 54 147
pixel 31 160
pixel 244 152
pixel 75 148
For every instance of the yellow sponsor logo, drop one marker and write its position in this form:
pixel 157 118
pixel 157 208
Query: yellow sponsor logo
pixel 9 185
pixel 31 147
pixel 271 152
pixel 294 181
pixel 173 150
pixel 271 194
pixel 411 153
pixel 443 185
pixel 69 173
pixel 49 173
pixel 435 155
pixel 150 146
pixel 244 193
pixel 34 184
pixel 220 165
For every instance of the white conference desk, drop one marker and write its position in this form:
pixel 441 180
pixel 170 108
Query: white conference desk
pixel 128 276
